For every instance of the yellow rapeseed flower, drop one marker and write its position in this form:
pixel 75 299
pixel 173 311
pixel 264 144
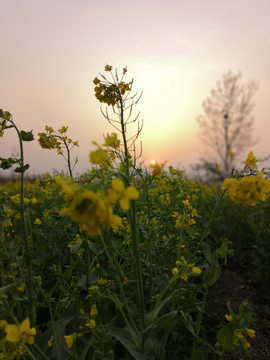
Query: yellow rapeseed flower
pixel 91 324
pixel 124 195
pixel 112 141
pixel 3 323
pixel 175 271
pixel 157 170
pixel 98 157
pixel 93 311
pixel 196 271
pixel 251 333
pixel 228 317
pixel 20 332
pixel 251 160
pixel 37 222
pixel 70 339
pixel 108 67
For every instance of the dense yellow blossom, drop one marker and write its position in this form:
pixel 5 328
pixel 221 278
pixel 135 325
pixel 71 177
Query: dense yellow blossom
pixel 112 141
pixel 157 171
pixel 99 156
pixel 124 195
pixel 248 190
pixel 89 209
pixel 20 332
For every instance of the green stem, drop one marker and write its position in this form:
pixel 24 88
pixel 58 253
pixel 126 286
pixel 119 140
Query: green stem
pixel 53 329
pixel 120 286
pixel 30 289
pixel 205 233
pixel 133 225
pixel 68 160
pixel 29 352
pixel 40 351
pixel 149 249
pixel 199 323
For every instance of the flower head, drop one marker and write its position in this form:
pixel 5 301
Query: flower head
pixel 70 339
pixel 112 141
pixel 251 160
pixel 98 157
pixel 228 317
pixel 251 333
pixel 157 170
pixel 124 194
pixel 20 332
pixel 91 324
pixel 93 311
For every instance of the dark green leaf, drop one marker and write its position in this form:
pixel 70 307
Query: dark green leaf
pixel 166 321
pixel 125 338
pixel 22 168
pixel 27 136
pixel 225 337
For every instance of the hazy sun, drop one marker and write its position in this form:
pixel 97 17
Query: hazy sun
pixel 153 162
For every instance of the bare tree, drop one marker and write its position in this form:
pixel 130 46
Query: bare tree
pixel 227 125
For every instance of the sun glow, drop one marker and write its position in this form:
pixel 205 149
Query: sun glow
pixel 153 162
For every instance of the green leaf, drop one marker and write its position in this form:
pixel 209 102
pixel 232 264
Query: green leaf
pixel 60 333
pixel 27 136
pixel 191 230
pixel 208 254
pixel 213 278
pixel 223 250
pixel 189 326
pixel 117 302
pixel 125 338
pixel 225 337
pixel 6 288
pixel 166 321
pixel 21 169
pixel 74 248
pixel 201 353
pixel 85 349
pixel 68 272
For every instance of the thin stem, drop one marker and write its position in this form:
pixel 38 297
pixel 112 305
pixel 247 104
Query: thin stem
pixel 30 289
pixel 54 332
pixel 40 351
pixel 199 323
pixel 208 226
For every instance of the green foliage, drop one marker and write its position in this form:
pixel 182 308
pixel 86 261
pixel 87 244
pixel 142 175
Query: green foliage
pixel 117 265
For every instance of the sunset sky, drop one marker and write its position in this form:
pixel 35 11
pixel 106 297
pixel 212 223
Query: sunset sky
pixel 175 50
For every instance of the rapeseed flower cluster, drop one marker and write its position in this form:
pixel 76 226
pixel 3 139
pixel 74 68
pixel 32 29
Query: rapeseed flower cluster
pixel 4 116
pixel 109 93
pixel 15 335
pixel 90 209
pixel 157 171
pixel 186 269
pixel 52 139
pixel 103 156
pixel 248 190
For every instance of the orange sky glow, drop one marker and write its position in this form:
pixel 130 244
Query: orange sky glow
pixel 175 50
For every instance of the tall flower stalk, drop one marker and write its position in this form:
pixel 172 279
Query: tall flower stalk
pixel 6 117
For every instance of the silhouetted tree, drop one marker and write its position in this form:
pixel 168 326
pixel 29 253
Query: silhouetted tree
pixel 227 125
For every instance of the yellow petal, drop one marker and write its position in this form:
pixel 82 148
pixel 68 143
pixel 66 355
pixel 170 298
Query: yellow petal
pixel 117 184
pixel 13 333
pixel 132 193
